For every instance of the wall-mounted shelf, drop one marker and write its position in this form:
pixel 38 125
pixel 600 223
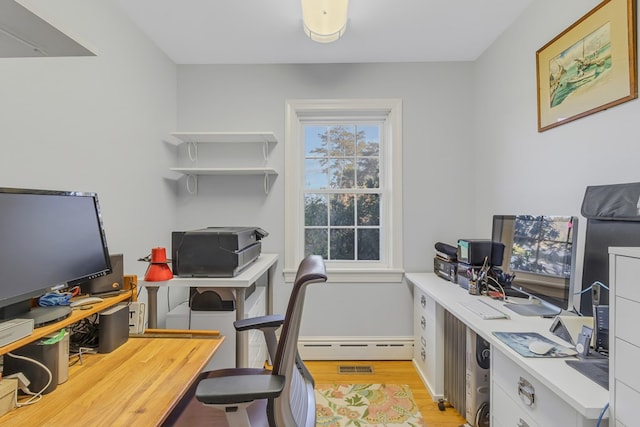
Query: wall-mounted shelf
pixel 195 138
pixel 226 171
pixel 225 137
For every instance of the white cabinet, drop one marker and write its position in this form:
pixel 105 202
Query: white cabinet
pixel 428 354
pixel 193 140
pixel 624 335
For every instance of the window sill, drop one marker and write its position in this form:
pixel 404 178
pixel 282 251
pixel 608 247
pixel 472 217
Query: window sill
pixel 353 275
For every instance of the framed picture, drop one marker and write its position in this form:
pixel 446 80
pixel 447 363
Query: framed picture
pixel 590 66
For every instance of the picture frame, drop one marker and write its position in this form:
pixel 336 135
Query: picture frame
pixel 590 66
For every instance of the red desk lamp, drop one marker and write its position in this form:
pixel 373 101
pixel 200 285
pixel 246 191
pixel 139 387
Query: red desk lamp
pixel 158 270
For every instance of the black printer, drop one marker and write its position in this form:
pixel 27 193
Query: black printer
pixel 215 251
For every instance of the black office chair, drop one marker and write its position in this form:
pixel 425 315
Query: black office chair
pixel 283 396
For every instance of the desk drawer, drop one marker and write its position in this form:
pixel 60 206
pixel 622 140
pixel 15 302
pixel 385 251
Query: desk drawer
pixel 505 413
pixel 626 327
pixel 626 367
pixel 547 409
pixel 626 405
pixel 626 276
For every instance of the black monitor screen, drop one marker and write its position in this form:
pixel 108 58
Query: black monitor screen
pixel 540 254
pixel 48 239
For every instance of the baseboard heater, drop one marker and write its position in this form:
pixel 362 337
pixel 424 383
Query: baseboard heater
pixel 356 348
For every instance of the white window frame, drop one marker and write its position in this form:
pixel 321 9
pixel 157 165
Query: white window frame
pixel 298 112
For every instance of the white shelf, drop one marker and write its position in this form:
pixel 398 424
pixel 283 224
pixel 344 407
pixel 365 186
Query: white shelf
pixel 195 138
pixel 225 137
pixel 226 171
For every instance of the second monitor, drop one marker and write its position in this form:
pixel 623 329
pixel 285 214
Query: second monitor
pixel 540 254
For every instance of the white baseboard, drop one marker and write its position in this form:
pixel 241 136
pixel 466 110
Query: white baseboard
pixel 356 348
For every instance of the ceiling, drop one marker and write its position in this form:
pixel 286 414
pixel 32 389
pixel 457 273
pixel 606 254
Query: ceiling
pixel 271 32
pixel 25 34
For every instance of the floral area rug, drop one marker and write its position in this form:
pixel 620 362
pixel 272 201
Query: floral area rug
pixel 359 405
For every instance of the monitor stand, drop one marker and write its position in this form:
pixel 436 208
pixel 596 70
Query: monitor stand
pixel 44 315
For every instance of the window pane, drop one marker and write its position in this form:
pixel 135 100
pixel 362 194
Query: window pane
pixel 368 173
pixel 369 209
pixel 342 209
pixel 315 174
pixel 342 243
pixel 314 141
pixel 369 244
pixel 343 173
pixel 315 242
pixel 343 141
pixel 316 208
pixel 368 140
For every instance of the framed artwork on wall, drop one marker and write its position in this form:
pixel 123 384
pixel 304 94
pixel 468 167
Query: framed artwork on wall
pixel 590 66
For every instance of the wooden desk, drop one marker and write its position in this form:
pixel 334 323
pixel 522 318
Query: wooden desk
pixel 76 315
pixel 138 384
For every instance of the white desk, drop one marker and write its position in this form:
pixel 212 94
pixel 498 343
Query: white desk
pixel 266 263
pixel 572 388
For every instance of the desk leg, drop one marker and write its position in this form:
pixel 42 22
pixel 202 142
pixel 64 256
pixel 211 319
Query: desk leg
pixel 152 299
pixel 271 273
pixel 241 345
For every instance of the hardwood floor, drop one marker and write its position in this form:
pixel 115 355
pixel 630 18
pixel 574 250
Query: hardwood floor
pixel 326 372
pixel 388 372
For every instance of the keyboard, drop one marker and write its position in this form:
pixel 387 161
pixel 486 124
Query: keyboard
pixel 482 309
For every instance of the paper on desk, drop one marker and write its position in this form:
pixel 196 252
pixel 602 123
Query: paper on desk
pixel 136 317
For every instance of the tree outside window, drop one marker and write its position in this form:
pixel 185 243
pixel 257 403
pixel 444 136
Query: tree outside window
pixel 342 191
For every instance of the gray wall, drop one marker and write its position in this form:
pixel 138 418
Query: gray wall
pixel 95 124
pixel 601 148
pixel 437 137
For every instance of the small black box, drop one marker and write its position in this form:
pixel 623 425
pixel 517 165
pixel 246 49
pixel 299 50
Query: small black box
pixel 445 269
pixel 113 328
pixel 474 252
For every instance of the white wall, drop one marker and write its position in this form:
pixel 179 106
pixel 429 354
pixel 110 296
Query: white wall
pixel 437 112
pixel 519 175
pixel 95 124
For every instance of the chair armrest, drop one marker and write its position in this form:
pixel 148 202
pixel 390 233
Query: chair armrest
pixel 270 321
pixel 234 389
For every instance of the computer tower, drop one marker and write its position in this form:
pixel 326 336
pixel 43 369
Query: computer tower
pixel 43 373
pixel 478 362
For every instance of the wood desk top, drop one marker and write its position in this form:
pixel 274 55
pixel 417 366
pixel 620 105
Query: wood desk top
pixel 138 384
pixel 76 315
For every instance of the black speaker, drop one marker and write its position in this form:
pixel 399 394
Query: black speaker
pixel 111 283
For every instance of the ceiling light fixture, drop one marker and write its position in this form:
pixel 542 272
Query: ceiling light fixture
pixel 324 20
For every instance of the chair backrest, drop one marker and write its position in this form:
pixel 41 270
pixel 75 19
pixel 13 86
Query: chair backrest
pixel 296 405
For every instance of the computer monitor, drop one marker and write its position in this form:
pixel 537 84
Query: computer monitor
pixel 48 240
pixel 540 254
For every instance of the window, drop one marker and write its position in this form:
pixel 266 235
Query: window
pixel 343 157
pixel 342 191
